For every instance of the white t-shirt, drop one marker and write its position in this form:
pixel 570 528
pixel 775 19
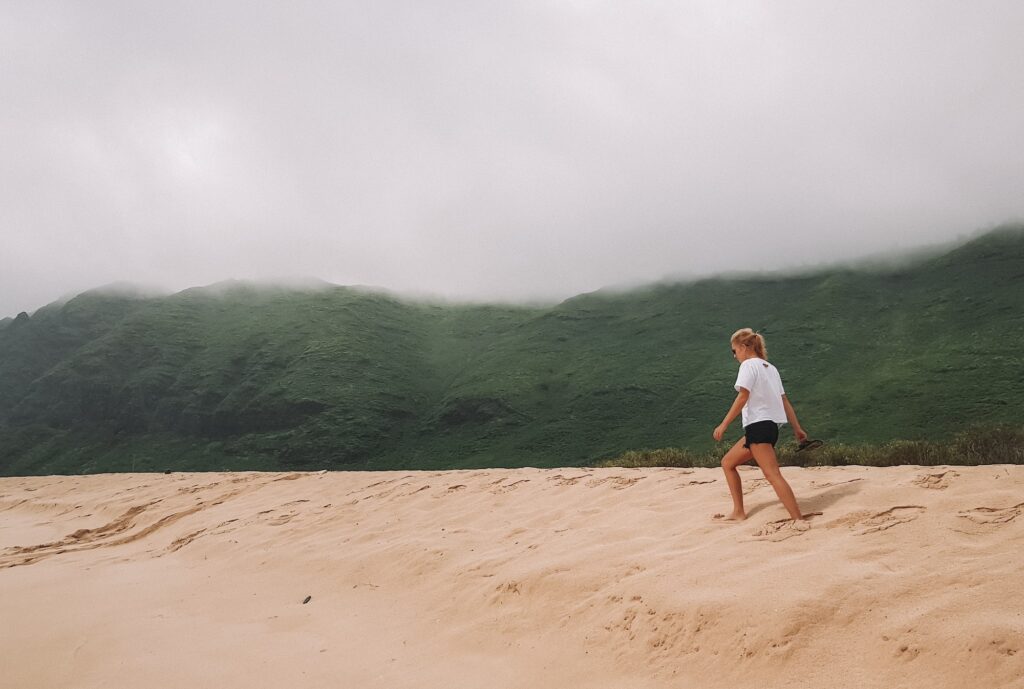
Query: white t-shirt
pixel 766 391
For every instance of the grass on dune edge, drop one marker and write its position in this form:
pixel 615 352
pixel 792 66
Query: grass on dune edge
pixel 970 447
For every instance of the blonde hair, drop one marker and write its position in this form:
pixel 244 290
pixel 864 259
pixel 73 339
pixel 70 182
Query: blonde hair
pixel 749 338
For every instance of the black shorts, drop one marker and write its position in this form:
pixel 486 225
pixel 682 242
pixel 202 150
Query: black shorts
pixel 761 432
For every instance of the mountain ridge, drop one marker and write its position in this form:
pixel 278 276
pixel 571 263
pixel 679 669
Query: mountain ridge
pixel 242 376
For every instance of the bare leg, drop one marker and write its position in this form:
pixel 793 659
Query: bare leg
pixel 764 455
pixel 736 455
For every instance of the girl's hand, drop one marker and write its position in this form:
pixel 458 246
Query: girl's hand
pixel 801 435
pixel 719 432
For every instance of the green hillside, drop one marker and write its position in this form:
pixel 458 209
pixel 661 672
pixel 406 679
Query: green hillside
pixel 237 376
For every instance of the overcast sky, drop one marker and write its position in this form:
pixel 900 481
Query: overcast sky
pixel 486 150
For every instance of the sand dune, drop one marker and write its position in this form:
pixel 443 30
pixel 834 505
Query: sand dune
pixel 910 577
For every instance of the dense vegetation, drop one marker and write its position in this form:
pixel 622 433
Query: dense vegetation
pixel 971 447
pixel 238 376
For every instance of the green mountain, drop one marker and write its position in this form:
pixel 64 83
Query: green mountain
pixel 240 376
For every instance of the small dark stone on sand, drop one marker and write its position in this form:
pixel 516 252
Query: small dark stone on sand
pixel 308 598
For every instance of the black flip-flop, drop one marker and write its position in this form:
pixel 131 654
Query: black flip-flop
pixel 809 445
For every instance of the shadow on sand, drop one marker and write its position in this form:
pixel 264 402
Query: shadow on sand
pixel 816 501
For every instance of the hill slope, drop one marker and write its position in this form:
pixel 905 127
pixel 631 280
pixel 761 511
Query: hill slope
pixel 238 376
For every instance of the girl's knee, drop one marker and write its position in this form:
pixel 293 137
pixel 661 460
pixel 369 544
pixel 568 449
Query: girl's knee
pixel 730 462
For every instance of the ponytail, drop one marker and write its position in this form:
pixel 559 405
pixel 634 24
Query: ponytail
pixel 754 340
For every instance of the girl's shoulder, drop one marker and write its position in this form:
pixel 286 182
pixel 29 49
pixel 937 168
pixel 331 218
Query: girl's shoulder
pixel 758 364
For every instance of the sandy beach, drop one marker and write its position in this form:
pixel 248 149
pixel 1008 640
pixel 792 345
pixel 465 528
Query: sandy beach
pixel 910 577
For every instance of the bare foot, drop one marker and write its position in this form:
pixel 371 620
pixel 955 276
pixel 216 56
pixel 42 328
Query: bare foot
pixel 733 517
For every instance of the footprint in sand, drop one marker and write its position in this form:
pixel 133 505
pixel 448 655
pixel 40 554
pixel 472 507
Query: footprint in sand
pixel 781 529
pixel 907 652
pixel 505 488
pixel 939 481
pixel 750 486
pixel 872 522
pixel 830 484
pixel 388 492
pixel 180 543
pixel 282 519
pixel 372 485
pixel 901 514
pixel 117 532
pixel 618 482
pixel 414 491
pixel 567 480
pixel 503 591
pixel 987 518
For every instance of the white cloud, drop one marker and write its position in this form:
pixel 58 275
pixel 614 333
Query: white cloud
pixel 521 150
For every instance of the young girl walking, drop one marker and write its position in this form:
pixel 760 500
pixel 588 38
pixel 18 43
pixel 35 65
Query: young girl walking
pixel 762 401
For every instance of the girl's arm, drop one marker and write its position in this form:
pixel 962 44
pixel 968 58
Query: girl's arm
pixel 791 416
pixel 734 411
